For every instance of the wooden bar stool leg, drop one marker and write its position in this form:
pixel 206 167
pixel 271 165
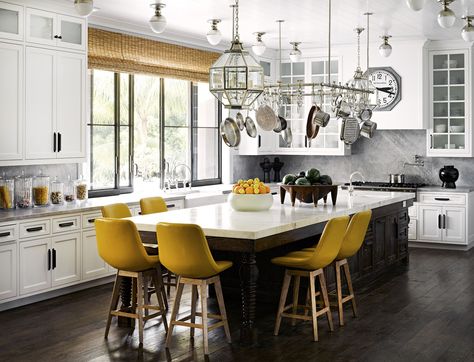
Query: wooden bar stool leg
pixel 113 302
pixel 204 318
pixel 174 313
pixel 194 297
pixel 312 292
pixel 281 306
pixel 134 295
pixel 340 308
pixel 161 286
pixel 349 286
pixel 140 300
pixel 307 303
pixel 146 294
pixel 324 292
pixel 296 289
pixel 220 301
pixel 159 297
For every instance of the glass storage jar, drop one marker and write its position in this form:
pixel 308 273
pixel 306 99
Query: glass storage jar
pixel 57 192
pixel 41 190
pixel 81 189
pixel 70 190
pixel 23 191
pixel 7 193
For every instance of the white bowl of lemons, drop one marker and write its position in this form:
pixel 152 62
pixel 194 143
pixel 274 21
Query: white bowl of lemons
pixel 250 195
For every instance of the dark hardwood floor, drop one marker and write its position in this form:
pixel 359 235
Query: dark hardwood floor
pixel 421 313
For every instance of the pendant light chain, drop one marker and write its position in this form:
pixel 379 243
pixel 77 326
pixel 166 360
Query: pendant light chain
pixel 329 43
pixel 237 37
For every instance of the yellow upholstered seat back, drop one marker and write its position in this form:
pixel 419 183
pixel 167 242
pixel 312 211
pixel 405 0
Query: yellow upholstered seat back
pixel 355 234
pixel 152 205
pixel 116 211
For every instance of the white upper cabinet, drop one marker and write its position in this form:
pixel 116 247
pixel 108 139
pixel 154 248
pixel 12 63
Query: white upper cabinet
pixel 48 28
pixel 11 101
pixel 11 21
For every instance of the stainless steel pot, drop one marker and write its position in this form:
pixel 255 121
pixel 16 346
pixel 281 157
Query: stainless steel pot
pixel 350 130
pixel 250 127
pixel 230 132
pixel 367 129
pixel 397 178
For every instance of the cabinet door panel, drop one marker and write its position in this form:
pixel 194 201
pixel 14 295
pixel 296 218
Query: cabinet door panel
pixel 40 27
pixel 40 104
pixel 11 101
pixel 455 225
pixel 11 21
pixel 68 258
pixel 429 229
pixel 72 31
pixel 34 266
pixel 93 266
pixel 8 265
pixel 70 105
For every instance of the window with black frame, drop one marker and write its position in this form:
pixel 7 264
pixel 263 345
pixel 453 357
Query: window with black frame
pixel 143 127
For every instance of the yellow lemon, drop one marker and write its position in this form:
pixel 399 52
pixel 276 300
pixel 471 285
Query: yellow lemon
pixel 256 179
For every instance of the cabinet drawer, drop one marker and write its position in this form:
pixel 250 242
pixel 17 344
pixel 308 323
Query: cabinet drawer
pixel 35 228
pixel 175 205
pixel 443 198
pixel 89 218
pixel 412 230
pixel 65 224
pixel 8 233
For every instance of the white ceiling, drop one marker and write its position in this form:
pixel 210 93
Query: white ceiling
pixel 305 20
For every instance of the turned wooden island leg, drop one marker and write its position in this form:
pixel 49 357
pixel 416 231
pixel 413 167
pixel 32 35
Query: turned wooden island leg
pixel 248 289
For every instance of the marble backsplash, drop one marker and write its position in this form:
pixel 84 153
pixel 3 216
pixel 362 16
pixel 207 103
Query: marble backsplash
pixel 60 171
pixel 376 158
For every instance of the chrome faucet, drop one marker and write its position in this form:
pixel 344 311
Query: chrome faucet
pixel 173 174
pixel 351 188
pixel 419 162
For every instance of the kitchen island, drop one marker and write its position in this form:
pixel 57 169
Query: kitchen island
pixel 247 233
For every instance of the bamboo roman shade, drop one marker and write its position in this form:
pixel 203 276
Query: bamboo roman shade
pixel 132 54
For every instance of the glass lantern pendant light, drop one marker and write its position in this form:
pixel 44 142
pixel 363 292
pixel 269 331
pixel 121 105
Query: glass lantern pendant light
pixel 236 78
pixel 158 21
pixel 259 47
pixel 446 17
pixel 385 49
pixel 84 7
pixel 214 36
pixel 295 54
pixel 416 5
pixel 467 32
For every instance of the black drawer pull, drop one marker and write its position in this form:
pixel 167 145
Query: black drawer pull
pixel 49 259
pixel 139 213
pixel 54 258
pixel 442 198
pixel 439 222
pixel 66 224
pixel 170 206
pixel 4 235
pixel 91 221
pixel 274 193
pixel 32 230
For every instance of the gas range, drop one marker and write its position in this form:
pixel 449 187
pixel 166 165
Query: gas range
pixel 384 186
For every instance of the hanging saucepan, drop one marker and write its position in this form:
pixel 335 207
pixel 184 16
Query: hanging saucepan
pixel 367 129
pixel 239 119
pixel 321 118
pixel 266 118
pixel 281 125
pixel 250 127
pixel 230 132
pixel 287 136
pixel 343 110
pixel 365 114
pixel 312 128
pixel 350 130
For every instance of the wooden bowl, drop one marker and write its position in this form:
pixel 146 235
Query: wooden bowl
pixel 308 194
pixel 245 202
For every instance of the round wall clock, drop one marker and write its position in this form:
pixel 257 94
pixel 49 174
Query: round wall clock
pixel 389 87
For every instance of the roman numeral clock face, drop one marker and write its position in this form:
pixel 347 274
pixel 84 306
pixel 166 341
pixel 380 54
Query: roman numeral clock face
pixel 388 84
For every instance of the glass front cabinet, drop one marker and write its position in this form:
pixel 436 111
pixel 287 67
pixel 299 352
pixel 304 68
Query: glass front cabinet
pixel 11 21
pixel 449 132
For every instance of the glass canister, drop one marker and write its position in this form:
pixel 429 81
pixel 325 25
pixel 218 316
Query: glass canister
pixel 7 193
pixel 81 189
pixel 57 192
pixel 41 190
pixel 23 191
pixel 70 190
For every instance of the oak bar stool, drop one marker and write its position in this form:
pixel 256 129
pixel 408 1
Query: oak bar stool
pixel 153 205
pixel 121 211
pixel 311 265
pixel 127 254
pixel 185 252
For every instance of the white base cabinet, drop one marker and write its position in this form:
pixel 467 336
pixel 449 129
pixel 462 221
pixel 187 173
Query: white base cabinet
pixel 8 271
pixel 35 265
pixel 93 265
pixel 66 259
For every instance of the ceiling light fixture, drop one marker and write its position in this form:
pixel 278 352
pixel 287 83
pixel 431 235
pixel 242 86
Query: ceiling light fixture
pixel 236 78
pixel 415 5
pixel 295 54
pixel 259 47
pixel 84 7
pixel 158 21
pixel 385 49
pixel 214 36
pixel 446 17
pixel 467 32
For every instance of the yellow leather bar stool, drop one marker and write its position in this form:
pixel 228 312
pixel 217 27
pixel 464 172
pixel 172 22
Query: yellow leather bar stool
pixel 310 265
pixel 353 239
pixel 121 211
pixel 127 254
pixel 153 205
pixel 185 252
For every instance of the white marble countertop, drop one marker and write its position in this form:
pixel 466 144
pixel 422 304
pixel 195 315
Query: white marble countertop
pixel 434 188
pixel 220 220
